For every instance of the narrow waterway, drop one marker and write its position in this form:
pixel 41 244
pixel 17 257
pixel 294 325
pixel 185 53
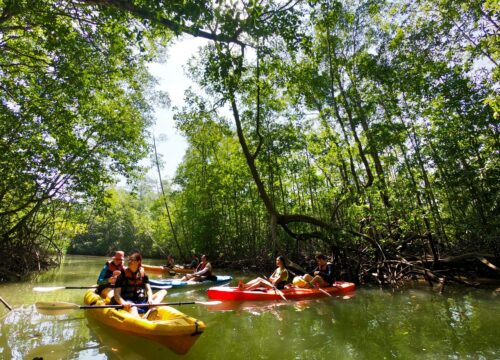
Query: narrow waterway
pixel 413 323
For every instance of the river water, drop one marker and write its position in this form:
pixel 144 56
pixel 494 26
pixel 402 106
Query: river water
pixel 415 323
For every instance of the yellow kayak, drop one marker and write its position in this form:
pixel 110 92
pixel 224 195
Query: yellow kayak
pixel 170 327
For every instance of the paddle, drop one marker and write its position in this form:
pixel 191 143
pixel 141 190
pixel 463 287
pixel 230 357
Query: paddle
pixel 320 289
pixel 61 308
pixel 6 304
pixel 276 290
pixel 55 288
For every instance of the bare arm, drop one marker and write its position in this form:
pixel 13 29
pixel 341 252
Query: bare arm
pixel 149 293
pixel 117 296
pixel 277 279
pixel 208 268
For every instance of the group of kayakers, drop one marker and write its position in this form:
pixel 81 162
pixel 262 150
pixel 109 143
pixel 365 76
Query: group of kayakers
pixel 130 285
pixel 322 276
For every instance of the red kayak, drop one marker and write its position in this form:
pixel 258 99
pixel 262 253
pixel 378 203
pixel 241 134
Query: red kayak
pixel 235 294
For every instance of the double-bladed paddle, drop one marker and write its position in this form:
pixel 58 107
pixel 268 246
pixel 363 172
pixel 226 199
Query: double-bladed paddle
pixel 55 288
pixel 61 308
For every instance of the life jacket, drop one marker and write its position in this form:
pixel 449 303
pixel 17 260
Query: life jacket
pixel 109 272
pixel 133 285
pixel 111 268
pixel 328 271
pixel 201 266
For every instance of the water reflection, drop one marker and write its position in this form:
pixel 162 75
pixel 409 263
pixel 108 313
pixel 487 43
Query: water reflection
pixel 116 345
pixel 406 324
pixel 27 334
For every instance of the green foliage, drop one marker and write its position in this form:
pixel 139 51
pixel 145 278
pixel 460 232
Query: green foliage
pixel 353 121
pixel 75 106
pixel 380 120
pixel 125 223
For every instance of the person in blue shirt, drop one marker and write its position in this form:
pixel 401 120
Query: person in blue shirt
pixel 109 273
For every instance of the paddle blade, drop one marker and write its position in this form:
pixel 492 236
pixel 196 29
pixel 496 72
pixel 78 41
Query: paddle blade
pixel 55 308
pixel 208 303
pixel 159 287
pixel 282 295
pixel 48 289
pixel 325 292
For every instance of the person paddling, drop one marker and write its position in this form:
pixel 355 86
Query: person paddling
pixel 203 271
pixel 322 275
pixel 278 279
pixel 109 273
pixel 132 287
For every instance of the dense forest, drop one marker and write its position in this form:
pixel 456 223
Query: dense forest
pixel 367 130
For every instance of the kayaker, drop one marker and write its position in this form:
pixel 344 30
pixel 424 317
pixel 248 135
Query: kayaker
pixel 132 286
pixel 202 272
pixel 170 262
pixel 194 263
pixel 322 275
pixel 109 273
pixel 278 279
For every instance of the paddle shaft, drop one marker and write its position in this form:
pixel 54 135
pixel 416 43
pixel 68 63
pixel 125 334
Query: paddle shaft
pixel 5 303
pixel 320 289
pixel 137 305
pixel 276 290
pixel 55 288
pixel 80 287
pixel 61 308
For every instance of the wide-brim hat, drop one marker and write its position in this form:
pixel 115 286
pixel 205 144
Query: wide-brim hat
pixel 119 255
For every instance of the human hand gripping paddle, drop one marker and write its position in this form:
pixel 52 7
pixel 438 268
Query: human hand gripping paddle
pixel 61 308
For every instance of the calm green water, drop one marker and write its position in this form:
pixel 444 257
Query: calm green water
pixel 374 324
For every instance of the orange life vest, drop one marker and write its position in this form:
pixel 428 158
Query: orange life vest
pixel 111 268
pixel 201 266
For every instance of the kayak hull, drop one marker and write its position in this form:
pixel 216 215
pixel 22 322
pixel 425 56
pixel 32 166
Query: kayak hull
pixel 235 294
pixel 170 328
pixel 221 279
pixel 154 269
